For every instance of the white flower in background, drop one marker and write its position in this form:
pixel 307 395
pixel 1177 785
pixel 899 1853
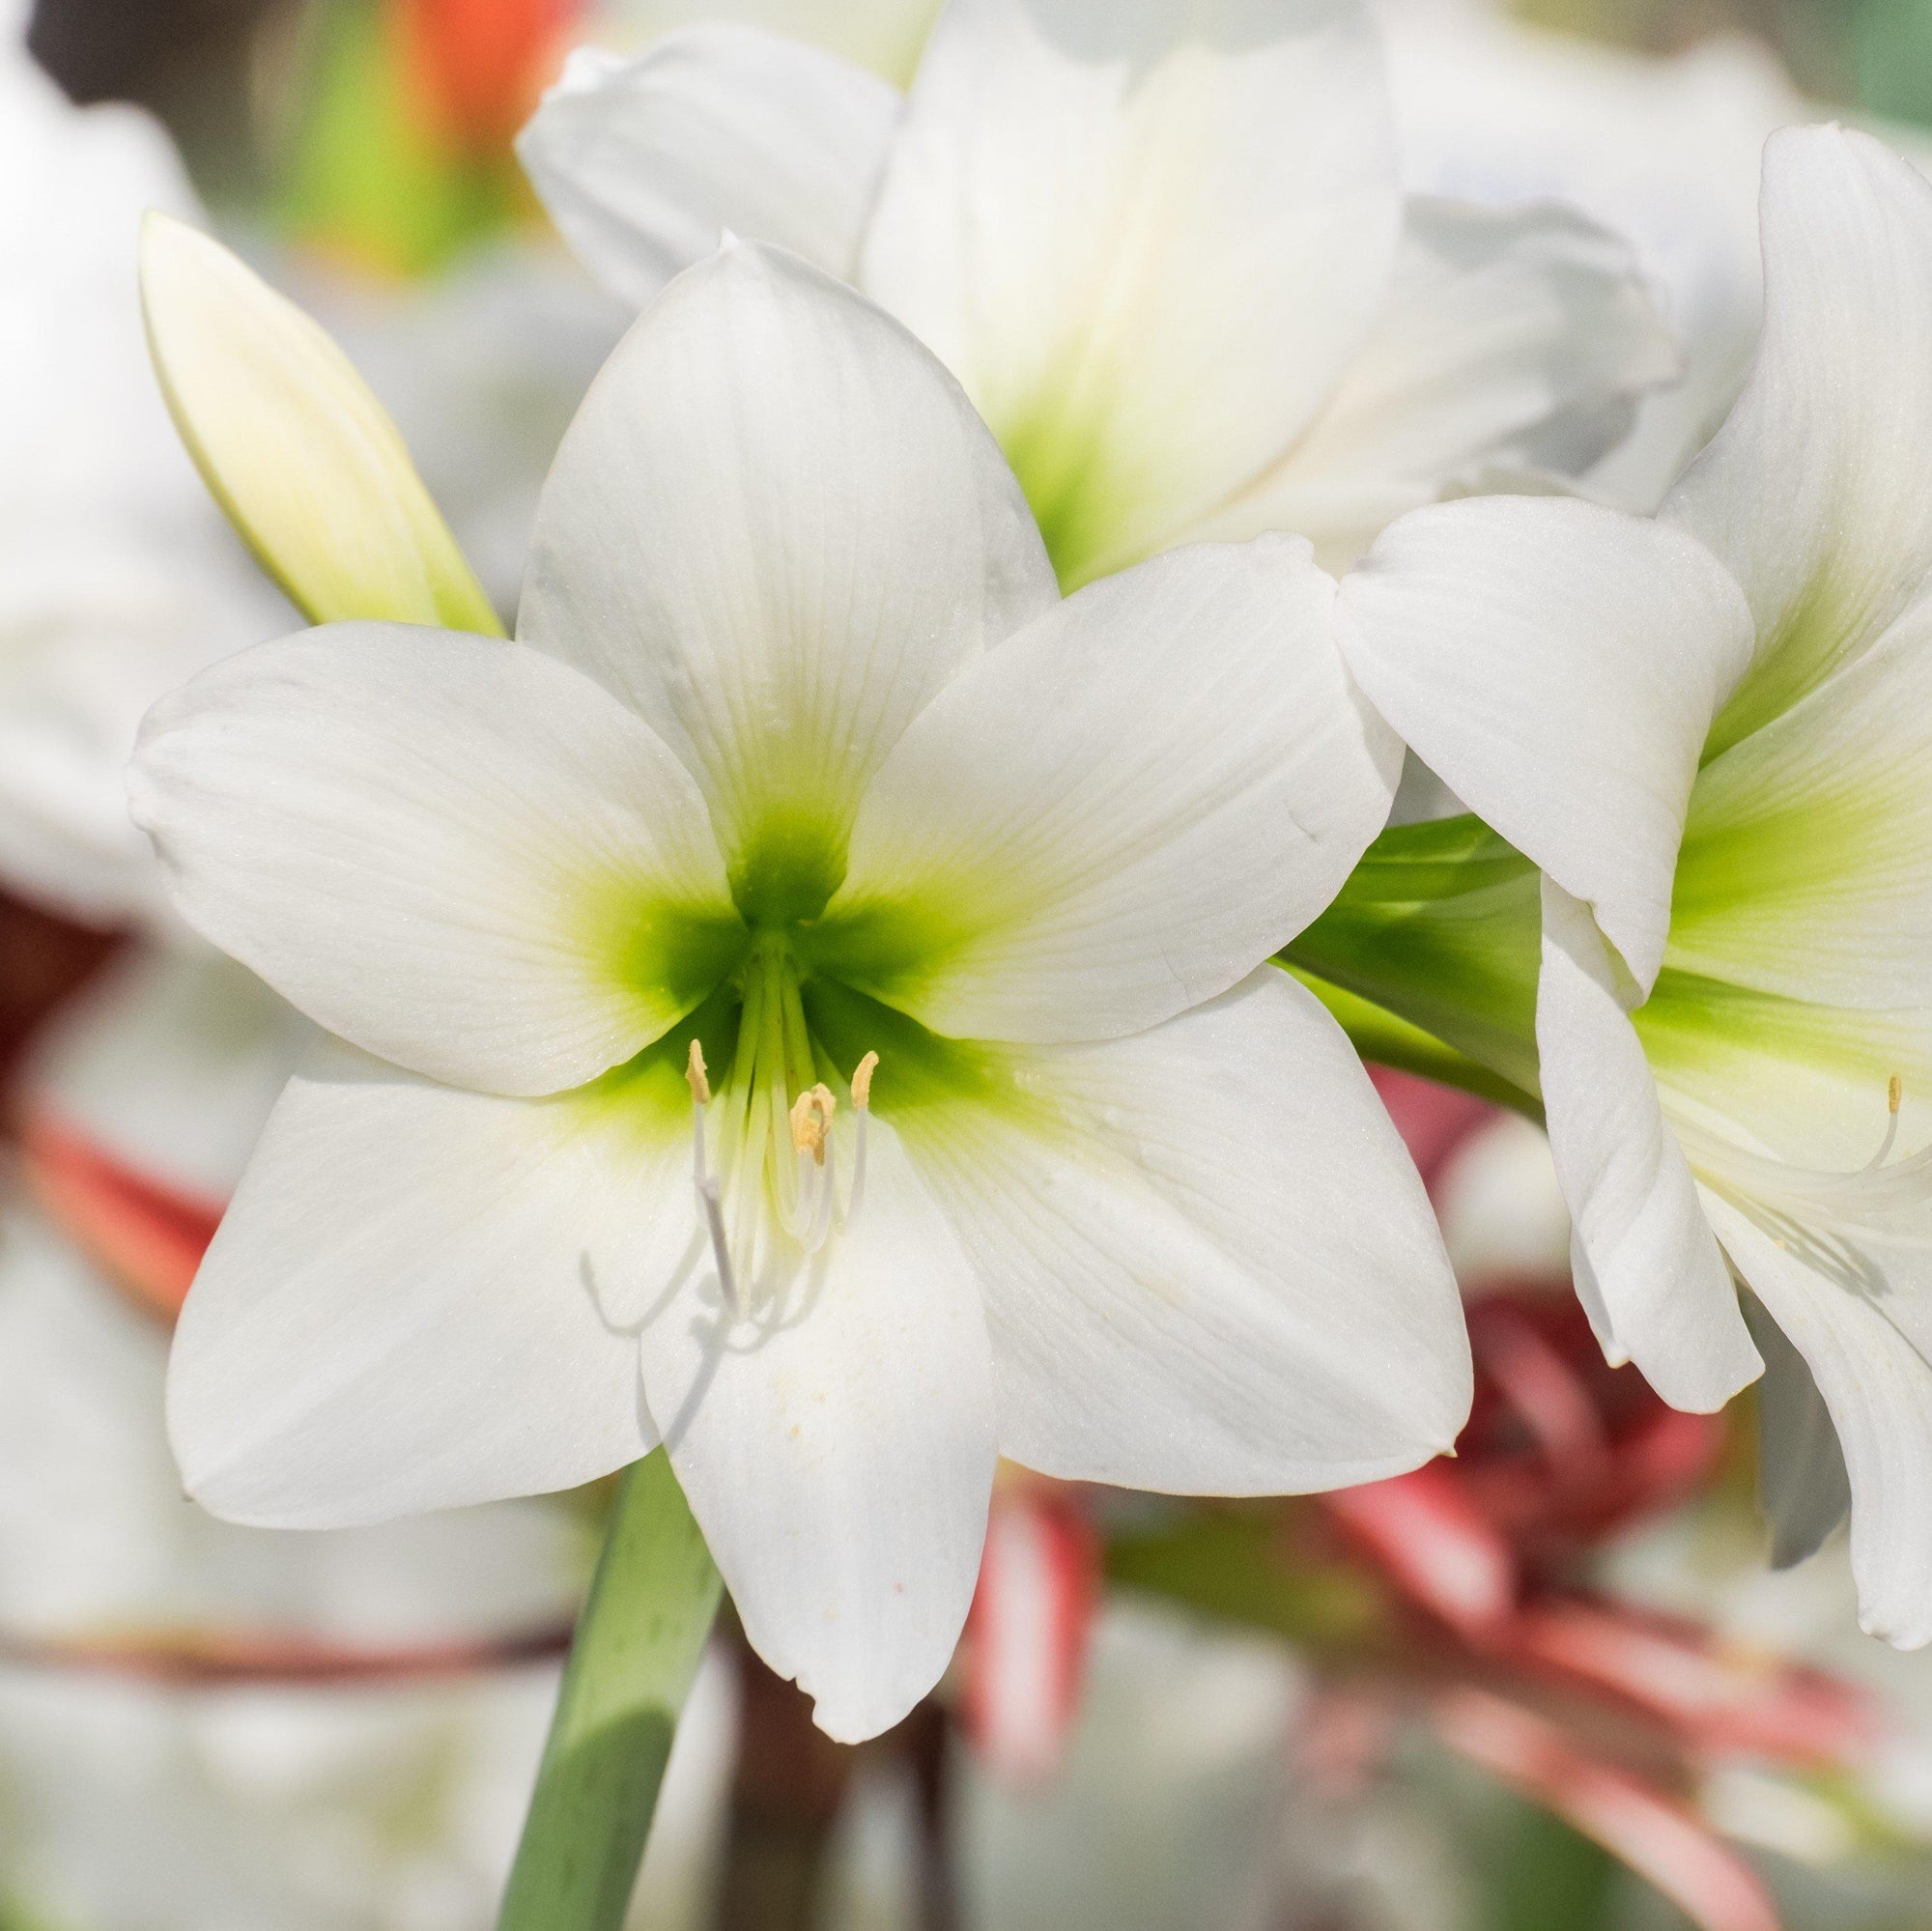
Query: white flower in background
pixel 801 766
pixel 385 1803
pixel 1663 152
pixel 117 578
pixel 1501 1210
pixel 1168 1815
pixel 1164 250
pixel 1710 732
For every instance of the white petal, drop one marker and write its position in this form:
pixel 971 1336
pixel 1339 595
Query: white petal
pixel 1210 1267
pixel 837 1451
pixel 457 853
pixel 645 164
pixel 1817 493
pixel 1805 1084
pixel 1145 239
pixel 1807 866
pixel 1117 814
pixel 1655 1275
pixel 1859 1320
pixel 398 1313
pixel 1558 664
pixel 1512 339
pixel 777 528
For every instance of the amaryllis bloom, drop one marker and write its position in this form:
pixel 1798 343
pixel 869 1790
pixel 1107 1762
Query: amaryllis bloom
pixel 1164 249
pixel 805 1001
pixel 1709 731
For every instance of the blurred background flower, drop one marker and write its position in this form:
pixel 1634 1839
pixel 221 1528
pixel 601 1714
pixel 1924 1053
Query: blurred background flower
pixel 1551 1685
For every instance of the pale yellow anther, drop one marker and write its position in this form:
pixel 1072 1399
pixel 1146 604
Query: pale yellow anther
pixel 1895 1094
pixel 695 1076
pixel 811 1120
pixel 862 1081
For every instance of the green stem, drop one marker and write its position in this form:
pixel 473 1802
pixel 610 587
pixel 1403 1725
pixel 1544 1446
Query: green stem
pixel 1429 957
pixel 1390 1040
pixel 639 1639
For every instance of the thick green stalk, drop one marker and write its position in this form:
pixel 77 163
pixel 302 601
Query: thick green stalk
pixel 651 1605
pixel 1429 957
pixel 1383 1038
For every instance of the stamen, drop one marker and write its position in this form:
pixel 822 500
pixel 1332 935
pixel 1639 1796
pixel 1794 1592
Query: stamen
pixel 708 1194
pixel 811 1128
pixel 811 1120
pixel 862 1105
pixel 1887 1194
pixel 862 1081
pixel 1894 1098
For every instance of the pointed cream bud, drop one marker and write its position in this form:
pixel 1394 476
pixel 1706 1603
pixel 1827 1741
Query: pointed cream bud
pixel 297 450
pixel 694 1074
pixel 862 1081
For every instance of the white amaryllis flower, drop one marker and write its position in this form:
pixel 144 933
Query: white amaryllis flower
pixel 1710 732
pixel 801 777
pixel 1163 248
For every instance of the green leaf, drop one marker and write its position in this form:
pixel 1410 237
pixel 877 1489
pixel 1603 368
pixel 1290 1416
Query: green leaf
pixel 639 1641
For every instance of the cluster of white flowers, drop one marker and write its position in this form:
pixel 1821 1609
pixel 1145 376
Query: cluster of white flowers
pixel 810 999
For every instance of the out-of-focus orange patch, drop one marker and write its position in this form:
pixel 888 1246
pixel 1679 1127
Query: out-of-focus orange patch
pixel 480 65
pixel 147 1237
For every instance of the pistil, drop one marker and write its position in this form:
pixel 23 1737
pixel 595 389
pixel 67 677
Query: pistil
pixel 774 1147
